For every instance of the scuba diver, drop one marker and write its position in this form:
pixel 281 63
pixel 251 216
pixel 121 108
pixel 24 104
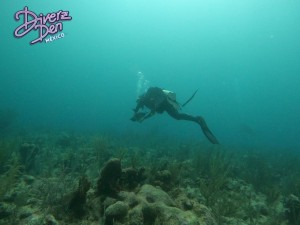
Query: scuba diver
pixel 159 100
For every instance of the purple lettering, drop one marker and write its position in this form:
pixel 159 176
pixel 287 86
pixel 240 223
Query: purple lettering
pixel 49 17
pixel 51 29
pixel 65 16
pixel 43 32
pixel 26 22
pixel 44 24
pixel 58 14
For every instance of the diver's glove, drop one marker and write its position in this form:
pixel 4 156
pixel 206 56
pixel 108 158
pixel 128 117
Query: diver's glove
pixel 138 116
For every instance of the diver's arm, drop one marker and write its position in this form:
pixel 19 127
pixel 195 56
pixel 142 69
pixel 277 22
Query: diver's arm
pixel 140 104
pixel 148 115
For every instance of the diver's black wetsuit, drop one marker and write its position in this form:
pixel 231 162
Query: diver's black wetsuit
pixel 157 101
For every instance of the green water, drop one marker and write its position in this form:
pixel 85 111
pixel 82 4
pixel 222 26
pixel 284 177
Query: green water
pixel 242 55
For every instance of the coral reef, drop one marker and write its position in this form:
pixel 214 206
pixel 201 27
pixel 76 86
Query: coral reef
pixel 292 204
pixel 10 177
pixel 78 199
pixel 108 182
pixel 68 179
pixel 28 153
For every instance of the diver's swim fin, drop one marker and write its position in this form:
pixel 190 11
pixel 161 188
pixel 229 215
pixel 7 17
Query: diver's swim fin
pixel 206 130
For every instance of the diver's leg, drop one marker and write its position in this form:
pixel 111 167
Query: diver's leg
pixel 198 119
